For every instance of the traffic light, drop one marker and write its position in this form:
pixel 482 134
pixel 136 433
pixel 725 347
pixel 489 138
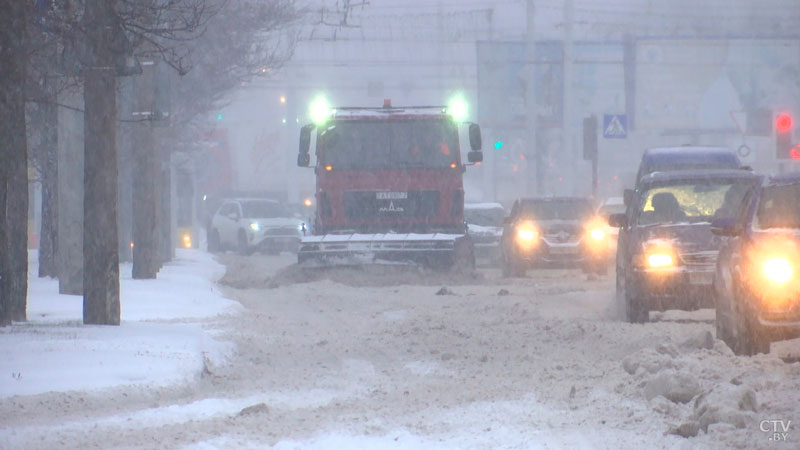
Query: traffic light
pixel 783 136
pixel 498 145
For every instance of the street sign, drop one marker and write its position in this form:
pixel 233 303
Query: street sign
pixel 615 126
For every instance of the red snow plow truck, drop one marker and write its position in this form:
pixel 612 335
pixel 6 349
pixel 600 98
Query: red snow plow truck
pixel 388 185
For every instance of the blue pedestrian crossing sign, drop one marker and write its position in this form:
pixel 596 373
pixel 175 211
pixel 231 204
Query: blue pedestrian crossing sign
pixel 615 126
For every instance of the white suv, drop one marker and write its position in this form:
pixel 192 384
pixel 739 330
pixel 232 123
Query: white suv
pixel 250 224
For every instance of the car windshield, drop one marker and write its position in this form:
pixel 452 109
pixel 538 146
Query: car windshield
pixel 383 144
pixel 259 209
pixel 779 207
pixel 486 217
pixel 557 210
pixel 692 202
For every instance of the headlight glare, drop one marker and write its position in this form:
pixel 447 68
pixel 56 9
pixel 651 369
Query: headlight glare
pixel 255 226
pixel 527 234
pixel 778 270
pixel 660 260
pixel 597 234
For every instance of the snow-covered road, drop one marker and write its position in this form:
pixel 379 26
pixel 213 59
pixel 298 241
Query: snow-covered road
pixel 393 358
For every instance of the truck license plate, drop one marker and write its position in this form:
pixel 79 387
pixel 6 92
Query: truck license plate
pixel 701 278
pixel 391 195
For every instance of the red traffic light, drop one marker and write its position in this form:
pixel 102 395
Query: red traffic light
pixel 794 153
pixel 783 123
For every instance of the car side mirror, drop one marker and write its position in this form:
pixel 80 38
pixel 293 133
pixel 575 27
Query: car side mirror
pixel 618 220
pixel 475 141
pixel 627 196
pixel 725 226
pixel 475 157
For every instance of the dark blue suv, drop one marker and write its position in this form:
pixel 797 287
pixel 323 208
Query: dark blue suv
pixel 686 158
pixel 757 281
pixel 666 253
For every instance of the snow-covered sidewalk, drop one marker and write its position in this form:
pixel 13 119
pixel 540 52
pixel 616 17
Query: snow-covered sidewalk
pixel 164 338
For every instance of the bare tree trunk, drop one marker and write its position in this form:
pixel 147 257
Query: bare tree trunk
pixel 5 306
pixel 70 194
pixel 145 237
pixel 100 251
pixel 166 241
pixel 145 179
pixel 17 217
pixel 13 155
pixel 124 161
pixel 48 234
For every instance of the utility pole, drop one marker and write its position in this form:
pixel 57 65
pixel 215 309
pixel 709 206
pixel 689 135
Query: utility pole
pixel 567 122
pixel 530 105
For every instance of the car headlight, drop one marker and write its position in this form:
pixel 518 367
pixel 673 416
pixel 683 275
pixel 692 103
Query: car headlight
pixel 527 234
pixel 660 260
pixel 658 254
pixel 778 270
pixel 597 234
pixel 255 226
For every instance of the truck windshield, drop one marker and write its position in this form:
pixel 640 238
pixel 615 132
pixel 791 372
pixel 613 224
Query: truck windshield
pixel 779 207
pixel 692 202
pixel 385 144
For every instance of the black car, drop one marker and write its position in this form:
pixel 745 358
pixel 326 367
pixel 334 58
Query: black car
pixel 552 230
pixel 686 157
pixel 666 252
pixel 757 282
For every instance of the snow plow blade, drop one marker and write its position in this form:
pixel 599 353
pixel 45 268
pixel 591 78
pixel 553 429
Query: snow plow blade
pixel 435 250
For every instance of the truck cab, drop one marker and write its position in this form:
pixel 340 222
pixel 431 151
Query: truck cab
pixel 391 173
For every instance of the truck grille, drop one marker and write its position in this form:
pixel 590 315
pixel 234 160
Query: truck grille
pixel 392 206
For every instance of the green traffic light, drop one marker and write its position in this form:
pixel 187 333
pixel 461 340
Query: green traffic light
pixel 219 116
pixel 498 145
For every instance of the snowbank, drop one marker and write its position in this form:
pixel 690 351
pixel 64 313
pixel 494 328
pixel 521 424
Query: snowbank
pixel 54 351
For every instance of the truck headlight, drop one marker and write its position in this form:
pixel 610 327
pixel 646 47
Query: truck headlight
pixel 255 226
pixel 778 270
pixel 597 234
